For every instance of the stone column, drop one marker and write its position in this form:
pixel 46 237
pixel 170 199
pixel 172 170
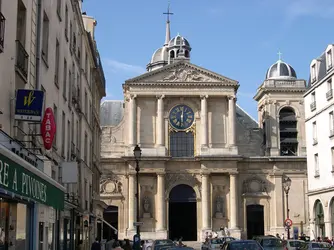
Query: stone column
pixel 234 213
pixel 132 120
pixel 132 201
pixel 161 206
pixel 231 119
pixel 204 121
pixel 160 127
pixel 206 218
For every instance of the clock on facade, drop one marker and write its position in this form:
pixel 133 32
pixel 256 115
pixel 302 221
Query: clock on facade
pixel 181 117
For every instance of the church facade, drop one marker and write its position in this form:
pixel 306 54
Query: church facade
pixel 205 162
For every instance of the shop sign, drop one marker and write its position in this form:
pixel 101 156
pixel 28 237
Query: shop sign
pixel 48 128
pixel 20 181
pixel 29 104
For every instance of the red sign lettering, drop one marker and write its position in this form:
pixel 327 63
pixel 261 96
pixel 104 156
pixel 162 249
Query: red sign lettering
pixel 48 128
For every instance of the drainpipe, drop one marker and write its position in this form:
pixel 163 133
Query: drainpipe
pixel 38 43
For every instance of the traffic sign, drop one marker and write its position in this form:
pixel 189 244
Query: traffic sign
pixel 288 222
pixel 138 223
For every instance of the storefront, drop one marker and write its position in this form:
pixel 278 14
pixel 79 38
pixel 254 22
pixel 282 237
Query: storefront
pixel 25 194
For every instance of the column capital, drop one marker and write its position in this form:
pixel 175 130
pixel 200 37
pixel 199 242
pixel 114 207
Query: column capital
pixel 205 173
pixel 234 173
pixel 204 97
pixel 161 174
pixel 133 96
pixel 232 97
pixel 160 96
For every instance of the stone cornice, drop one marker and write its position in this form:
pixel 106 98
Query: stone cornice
pixel 265 90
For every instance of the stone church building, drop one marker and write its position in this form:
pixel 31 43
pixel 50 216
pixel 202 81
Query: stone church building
pixel 205 162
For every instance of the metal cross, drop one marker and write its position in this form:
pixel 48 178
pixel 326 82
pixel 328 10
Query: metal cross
pixel 168 12
pixel 279 55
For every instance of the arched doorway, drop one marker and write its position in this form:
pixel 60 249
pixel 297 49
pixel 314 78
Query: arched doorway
pixel 319 219
pixel 110 215
pixel 331 210
pixel 182 213
pixel 255 221
pixel 288 132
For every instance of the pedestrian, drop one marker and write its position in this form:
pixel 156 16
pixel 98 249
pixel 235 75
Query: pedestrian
pixel 96 245
pixel 117 246
pixel 127 245
pixel 80 245
pixel 109 244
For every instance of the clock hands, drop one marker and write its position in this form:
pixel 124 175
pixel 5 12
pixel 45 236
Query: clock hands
pixel 182 117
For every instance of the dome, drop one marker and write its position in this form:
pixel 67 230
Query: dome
pixel 178 41
pixel 281 70
pixel 159 55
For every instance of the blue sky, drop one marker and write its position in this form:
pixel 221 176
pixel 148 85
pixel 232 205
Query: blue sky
pixel 239 39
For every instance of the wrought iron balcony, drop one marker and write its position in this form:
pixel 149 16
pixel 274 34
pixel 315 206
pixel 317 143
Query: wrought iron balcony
pixel 313 106
pixel 21 60
pixel 329 94
pixel 2 31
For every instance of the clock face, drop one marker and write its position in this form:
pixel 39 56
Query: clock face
pixel 181 117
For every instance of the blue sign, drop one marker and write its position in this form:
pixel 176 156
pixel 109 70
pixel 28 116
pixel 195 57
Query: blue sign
pixel 29 104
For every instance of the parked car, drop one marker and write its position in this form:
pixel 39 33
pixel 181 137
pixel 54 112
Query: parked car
pixel 241 244
pixel 270 243
pixel 162 244
pixel 293 244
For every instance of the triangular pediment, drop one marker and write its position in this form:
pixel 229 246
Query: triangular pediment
pixel 182 72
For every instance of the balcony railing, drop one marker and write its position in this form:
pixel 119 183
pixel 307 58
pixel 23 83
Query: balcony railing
pixel 315 141
pixel 21 60
pixel 313 106
pixel 316 173
pixel 2 31
pixel 329 94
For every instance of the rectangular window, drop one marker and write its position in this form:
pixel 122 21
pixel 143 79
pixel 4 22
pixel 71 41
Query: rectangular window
pixel 313 97
pixel 86 147
pixel 45 37
pixel 66 22
pixel 65 79
pixel 59 9
pixel 63 134
pixel 332 159
pixel 313 102
pixel 57 63
pixel 68 140
pixel 329 59
pixel 86 104
pixel 86 64
pixel 78 135
pixel 331 124
pixel 314 129
pixel 182 144
pixel 329 93
pixel 71 39
pixel 313 73
pixel 85 194
pixel 316 165
pixel 55 112
pixel 70 87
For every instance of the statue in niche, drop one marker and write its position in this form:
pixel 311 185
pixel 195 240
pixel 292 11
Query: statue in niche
pixel 119 187
pixel 146 207
pixel 219 207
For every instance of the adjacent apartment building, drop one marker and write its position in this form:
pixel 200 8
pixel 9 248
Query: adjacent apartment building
pixel 319 113
pixel 49 45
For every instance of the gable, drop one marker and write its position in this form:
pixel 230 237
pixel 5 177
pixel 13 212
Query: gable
pixel 181 72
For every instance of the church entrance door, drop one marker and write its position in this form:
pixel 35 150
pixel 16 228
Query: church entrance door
pixel 182 213
pixel 255 221
pixel 110 215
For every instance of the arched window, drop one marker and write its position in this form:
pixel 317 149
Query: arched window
pixel 172 54
pixel 288 132
pixel 319 219
pixel 186 54
pixel 181 144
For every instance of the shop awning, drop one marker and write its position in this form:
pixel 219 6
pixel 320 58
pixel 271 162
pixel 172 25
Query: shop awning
pixel 23 179
pixel 109 225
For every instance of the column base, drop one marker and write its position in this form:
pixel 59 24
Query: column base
pixel 235 232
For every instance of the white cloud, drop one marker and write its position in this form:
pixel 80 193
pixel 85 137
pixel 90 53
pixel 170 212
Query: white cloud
pixel 116 66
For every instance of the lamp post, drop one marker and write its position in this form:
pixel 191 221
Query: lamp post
pixel 137 155
pixel 286 186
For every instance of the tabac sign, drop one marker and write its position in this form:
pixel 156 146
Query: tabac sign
pixel 29 104
pixel 48 128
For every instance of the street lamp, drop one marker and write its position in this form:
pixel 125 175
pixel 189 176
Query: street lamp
pixel 137 154
pixel 286 186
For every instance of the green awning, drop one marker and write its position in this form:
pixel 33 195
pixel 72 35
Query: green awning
pixel 22 178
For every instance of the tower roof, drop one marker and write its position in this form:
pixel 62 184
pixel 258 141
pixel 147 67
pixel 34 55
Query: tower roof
pixel 281 70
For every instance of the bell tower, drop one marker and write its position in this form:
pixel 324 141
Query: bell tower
pixel 281 111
